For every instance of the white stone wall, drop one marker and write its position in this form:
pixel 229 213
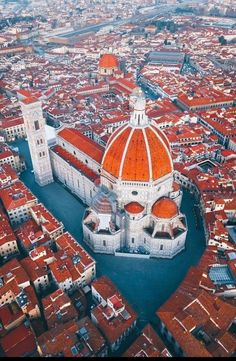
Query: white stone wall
pixel 170 246
pixel 13 161
pixel 90 163
pixel 177 197
pixel 21 214
pixel 66 285
pixel 16 131
pixel 147 194
pixel 77 182
pixel 37 140
pixel 102 243
pixel 88 275
pixel 134 235
pixel 43 281
pixel 10 247
pixel 104 221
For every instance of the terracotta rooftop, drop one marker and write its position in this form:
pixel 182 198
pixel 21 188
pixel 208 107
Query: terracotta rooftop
pixel 19 342
pixel 75 162
pixel 113 327
pixel 148 344
pixel 83 143
pixel 16 196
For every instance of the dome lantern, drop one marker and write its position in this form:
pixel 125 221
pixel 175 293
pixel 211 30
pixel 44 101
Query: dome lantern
pixel 138 117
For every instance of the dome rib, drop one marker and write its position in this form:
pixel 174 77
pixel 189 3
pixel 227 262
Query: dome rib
pixel 135 165
pixel 148 154
pixel 161 134
pixel 139 154
pixel 124 154
pixel 165 144
pixel 110 161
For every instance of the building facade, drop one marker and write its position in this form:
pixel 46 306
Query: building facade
pixel 136 207
pixel 35 130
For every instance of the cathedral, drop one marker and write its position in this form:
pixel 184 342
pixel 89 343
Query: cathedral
pixel 136 206
pixel 133 201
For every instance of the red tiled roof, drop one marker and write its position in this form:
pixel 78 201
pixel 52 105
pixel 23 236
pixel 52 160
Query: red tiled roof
pixel 75 162
pixel 16 196
pixel 115 327
pixel 19 342
pixel 148 344
pixel 83 143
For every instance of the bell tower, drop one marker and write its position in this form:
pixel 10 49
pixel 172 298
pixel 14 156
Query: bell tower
pixel 36 134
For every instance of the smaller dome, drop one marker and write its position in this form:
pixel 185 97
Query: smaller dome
pixel 108 61
pixel 101 203
pixel 134 207
pixel 165 208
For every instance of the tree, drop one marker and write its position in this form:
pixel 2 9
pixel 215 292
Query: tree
pixel 222 40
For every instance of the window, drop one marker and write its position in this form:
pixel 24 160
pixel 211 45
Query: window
pixel 36 125
pixel 104 243
pixel 134 193
pixel 132 240
pixel 161 247
pixel 145 240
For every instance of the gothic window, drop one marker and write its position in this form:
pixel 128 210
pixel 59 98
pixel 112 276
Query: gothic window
pixel 161 247
pixel 36 125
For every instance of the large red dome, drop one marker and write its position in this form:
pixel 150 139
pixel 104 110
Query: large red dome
pixel 137 154
pixel 108 61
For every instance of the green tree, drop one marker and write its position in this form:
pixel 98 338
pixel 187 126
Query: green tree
pixel 222 40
